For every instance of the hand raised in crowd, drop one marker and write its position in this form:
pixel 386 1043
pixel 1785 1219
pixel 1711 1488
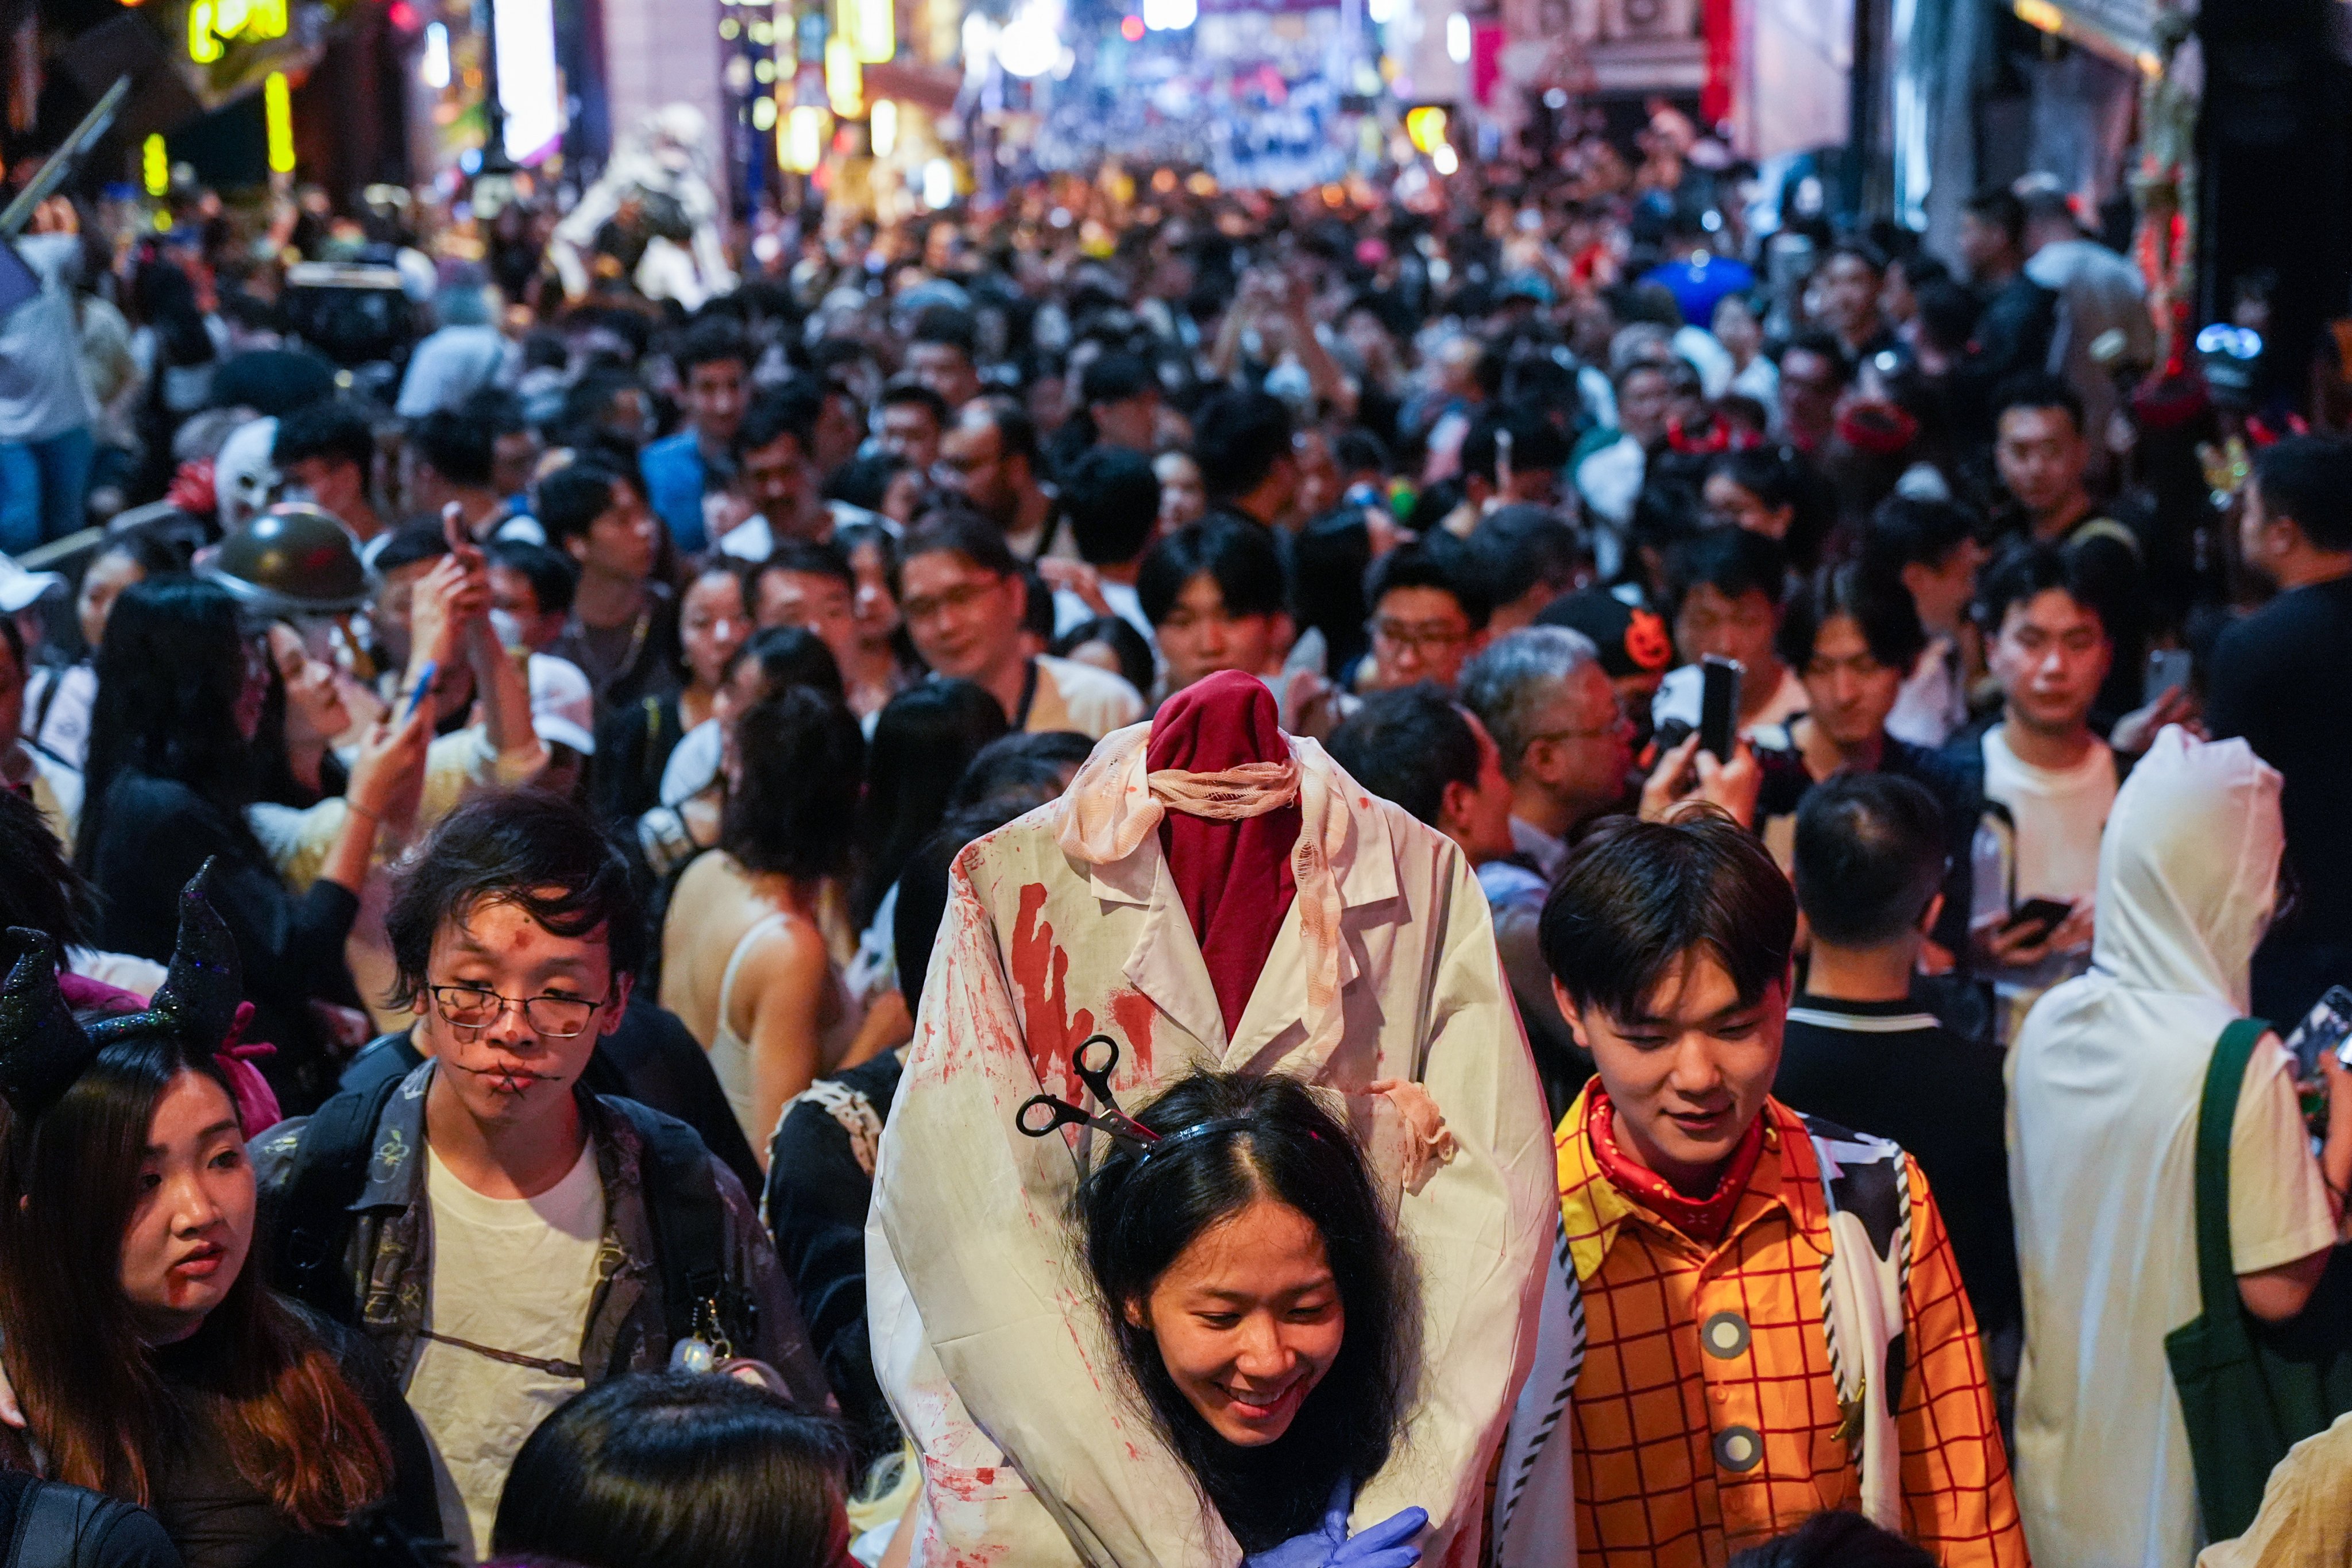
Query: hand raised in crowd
pixel 2138 730
pixel 1078 578
pixel 387 777
pixel 1686 773
pixel 447 599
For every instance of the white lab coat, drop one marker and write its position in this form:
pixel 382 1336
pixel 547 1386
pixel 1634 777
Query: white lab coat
pixel 985 1330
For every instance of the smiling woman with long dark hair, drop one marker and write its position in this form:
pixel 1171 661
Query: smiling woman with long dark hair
pixel 1259 1299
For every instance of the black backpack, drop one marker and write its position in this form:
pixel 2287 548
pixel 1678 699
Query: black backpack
pixel 60 1526
pixel 689 1217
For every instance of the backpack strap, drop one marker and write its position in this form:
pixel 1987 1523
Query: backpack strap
pixel 49 1519
pixel 2217 1115
pixel 1866 1188
pixel 330 1171
pixel 689 1224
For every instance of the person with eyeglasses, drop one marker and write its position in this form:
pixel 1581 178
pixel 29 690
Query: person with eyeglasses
pixel 505 1236
pixel 1429 615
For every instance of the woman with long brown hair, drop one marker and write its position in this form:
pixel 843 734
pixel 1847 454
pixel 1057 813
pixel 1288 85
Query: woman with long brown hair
pixel 149 1361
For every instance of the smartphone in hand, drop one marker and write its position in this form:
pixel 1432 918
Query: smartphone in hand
pixel 2042 913
pixel 1719 705
pixel 2168 669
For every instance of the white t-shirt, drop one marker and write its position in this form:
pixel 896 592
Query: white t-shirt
pixel 1074 695
pixel 508 1274
pixel 2060 814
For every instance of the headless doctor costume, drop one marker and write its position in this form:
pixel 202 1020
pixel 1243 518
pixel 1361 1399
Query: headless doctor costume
pixel 1212 893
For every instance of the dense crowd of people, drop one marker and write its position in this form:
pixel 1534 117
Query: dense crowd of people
pixel 486 853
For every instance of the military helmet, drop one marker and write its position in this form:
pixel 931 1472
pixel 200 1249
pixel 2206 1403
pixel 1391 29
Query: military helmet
pixel 294 559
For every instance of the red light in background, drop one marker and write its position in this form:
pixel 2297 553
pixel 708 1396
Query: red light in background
pixel 402 14
pixel 1131 29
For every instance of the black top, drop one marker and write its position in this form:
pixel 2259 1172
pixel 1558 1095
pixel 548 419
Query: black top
pixel 1889 1068
pixel 2270 682
pixel 155 835
pixel 219 1519
pixel 105 1533
pixel 816 1198
pixel 629 661
pixel 652 1058
pixel 633 745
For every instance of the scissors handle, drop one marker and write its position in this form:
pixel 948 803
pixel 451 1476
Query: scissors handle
pixel 1095 1067
pixel 1057 1114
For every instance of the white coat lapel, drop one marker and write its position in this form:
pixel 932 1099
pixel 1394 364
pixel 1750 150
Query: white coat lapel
pixel 1165 965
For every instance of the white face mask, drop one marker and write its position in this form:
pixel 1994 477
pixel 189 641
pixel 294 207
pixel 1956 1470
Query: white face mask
pixel 508 628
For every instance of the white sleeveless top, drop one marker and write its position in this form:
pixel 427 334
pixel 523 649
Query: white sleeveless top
pixel 731 1053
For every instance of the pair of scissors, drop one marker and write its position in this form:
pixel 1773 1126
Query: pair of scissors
pixel 1043 1113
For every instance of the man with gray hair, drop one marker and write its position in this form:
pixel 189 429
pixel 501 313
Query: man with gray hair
pixel 1566 743
pixel 1566 749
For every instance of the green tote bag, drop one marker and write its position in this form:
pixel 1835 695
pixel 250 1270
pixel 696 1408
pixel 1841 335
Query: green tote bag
pixel 2248 1390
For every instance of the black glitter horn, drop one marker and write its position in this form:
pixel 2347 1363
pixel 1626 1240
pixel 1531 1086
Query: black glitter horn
pixel 198 998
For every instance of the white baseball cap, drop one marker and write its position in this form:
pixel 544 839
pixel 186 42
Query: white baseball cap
pixel 20 589
pixel 562 704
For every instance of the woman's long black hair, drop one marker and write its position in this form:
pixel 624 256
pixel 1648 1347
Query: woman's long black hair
pixel 1263 1135
pixel 169 677
pixel 924 739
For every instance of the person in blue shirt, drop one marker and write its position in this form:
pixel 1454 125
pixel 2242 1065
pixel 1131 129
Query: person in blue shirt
pixel 714 366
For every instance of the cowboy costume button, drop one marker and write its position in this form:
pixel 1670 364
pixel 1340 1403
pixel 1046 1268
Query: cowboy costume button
pixel 1739 1449
pixel 1725 1336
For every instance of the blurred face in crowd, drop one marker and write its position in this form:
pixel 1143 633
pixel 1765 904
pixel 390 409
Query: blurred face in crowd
pixel 514 458
pixel 1809 394
pixel 1583 744
pixel 1737 328
pixel 1318 474
pixel 620 543
pixel 1129 422
pixel 335 485
pixel 946 369
pixel 965 621
pixel 1849 693
pixel 712 623
pixel 315 712
pixel 192 1222
pixel 1644 397
pixel 778 480
pixel 101 583
pixel 716 391
pixel 1477 816
pixel 1849 298
pixel 1985 248
pixel 972 462
pixel 1941 592
pixel 837 433
pixel 1201 637
pixel 1419 634
pixel 1184 497
pixel 814 602
pixel 1733 502
pixel 1247 1321
pixel 502 1063
pixel 2050 656
pixel 1690 1073
pixel 1713 622
pixel 909 431
pixel 874 606
pixel 2041 457
pixel 512 594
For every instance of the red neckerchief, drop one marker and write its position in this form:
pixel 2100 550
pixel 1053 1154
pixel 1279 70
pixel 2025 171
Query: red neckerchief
pixel 1701 1219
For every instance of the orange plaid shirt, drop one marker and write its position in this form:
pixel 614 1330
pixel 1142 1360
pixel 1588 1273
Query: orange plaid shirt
pixel 1668 1471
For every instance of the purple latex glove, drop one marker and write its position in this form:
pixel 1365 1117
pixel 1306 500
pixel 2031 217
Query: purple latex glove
pixel 1388 1544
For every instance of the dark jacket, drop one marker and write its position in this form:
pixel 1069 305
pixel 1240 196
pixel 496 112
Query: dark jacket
pixel 94 1531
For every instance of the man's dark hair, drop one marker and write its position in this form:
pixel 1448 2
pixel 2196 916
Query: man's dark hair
pixel 947 325
pixel 333 428
pixel 961 533
pixel 1998 207
pixel 1358 451
pixel 461 450
pixel 1241 557
pixel 1904 531
pixel 1820 341
pixel 2309 479
pixel 410 543
pixel 1537 446
pixel 573 497
pixel 772 417
pixel 1521 546
pixel 1888 619
pixel 2033 567
pixel 527 847
pixel 818 560
pixel 1112 500
pixel 1436 561
pixel 2037 389
pixel 1238 438
pixel 1113 377
pixel 553 578
pixel 707 343
pixel 1635 899
pixel 1949 312
pixel 904 389
pixel 1733 561
pixel 1870 856
pixel 1407 746
pixel 1016 433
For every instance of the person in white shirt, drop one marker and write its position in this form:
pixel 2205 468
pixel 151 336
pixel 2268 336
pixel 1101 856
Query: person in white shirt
pixel 2049 779
pixel 2106 1083
pixel 964 601
pixel 1610 479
